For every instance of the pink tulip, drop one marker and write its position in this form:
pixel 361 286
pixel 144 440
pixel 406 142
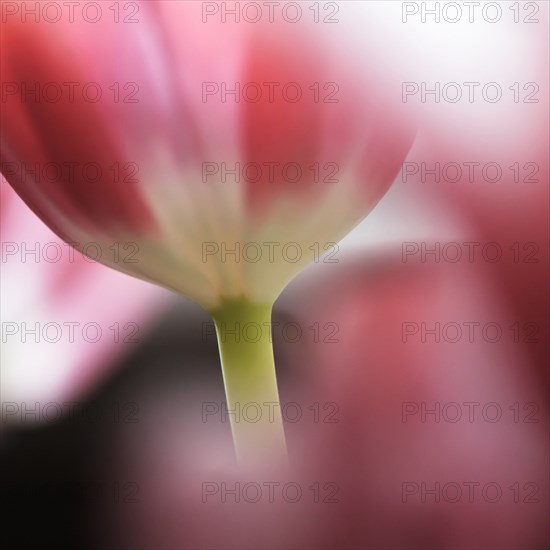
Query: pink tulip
pixel 156 134
pixel 132 131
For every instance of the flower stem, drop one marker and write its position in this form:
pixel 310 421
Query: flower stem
pixel 246 351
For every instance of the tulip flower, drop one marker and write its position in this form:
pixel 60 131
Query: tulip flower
pixel 231 154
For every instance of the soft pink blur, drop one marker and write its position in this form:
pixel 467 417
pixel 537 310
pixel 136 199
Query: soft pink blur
pixel 45 282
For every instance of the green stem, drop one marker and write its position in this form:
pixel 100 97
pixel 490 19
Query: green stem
pixel 246 351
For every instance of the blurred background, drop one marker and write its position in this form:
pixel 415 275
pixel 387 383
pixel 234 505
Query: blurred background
pixel 414 369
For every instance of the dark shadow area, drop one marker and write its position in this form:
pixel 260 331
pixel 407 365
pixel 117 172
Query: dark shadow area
pixel 56 477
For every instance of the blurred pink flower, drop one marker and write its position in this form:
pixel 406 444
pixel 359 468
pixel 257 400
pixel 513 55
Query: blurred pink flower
pixel 165 130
